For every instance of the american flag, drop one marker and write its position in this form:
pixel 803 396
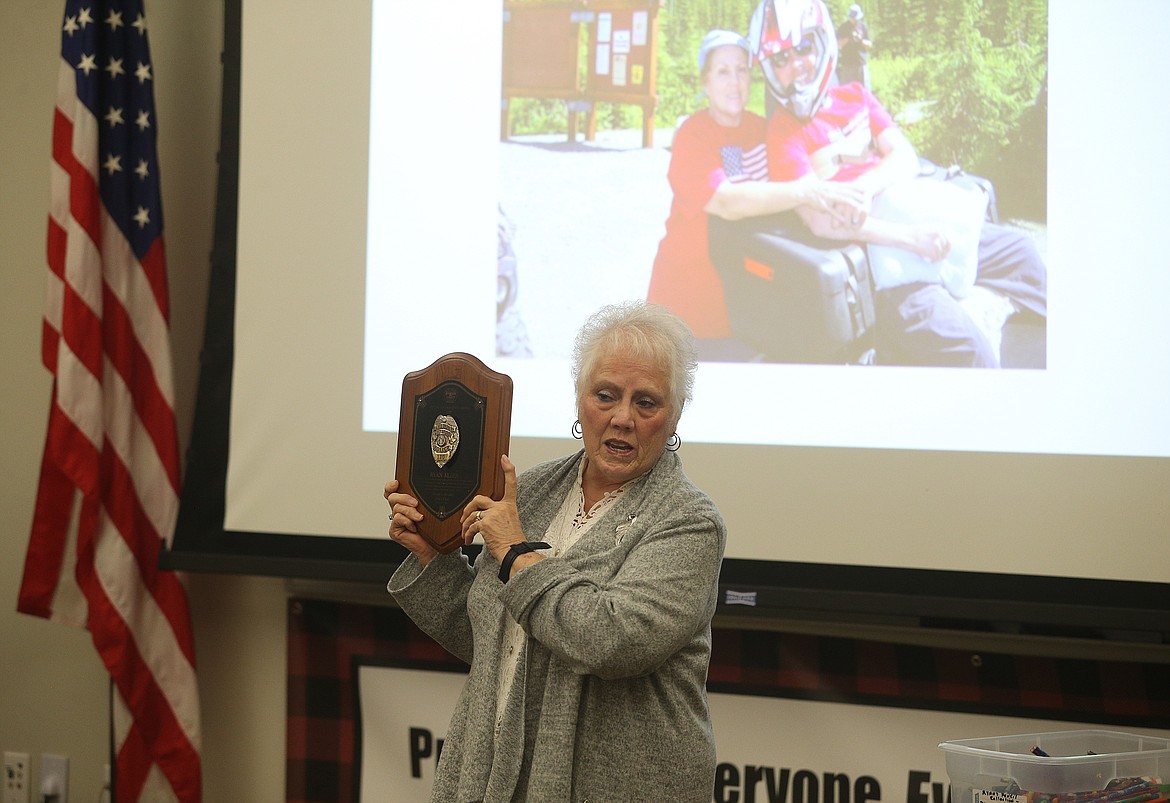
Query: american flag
pixel 740 165
pixel 109 484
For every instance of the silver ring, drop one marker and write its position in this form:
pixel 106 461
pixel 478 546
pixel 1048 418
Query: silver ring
pixel 479 515
pixel 391 517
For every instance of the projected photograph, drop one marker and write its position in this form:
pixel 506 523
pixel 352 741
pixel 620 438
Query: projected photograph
pixel 587 164
pixel 722 158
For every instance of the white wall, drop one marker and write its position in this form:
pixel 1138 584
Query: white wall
pixel 53 689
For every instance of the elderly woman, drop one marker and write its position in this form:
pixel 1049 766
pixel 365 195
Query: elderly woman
pixel 588 643
pixel 718 166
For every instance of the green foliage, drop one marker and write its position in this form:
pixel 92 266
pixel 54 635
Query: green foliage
pixel 962 100
pixel 679 94
pixel 978 97
pixel 965 79
pixel 961 76
pixel 682 25
pixel 528 116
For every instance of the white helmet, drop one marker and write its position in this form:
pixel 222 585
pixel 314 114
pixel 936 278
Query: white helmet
pixel 782 25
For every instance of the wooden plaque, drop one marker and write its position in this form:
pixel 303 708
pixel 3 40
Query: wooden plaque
pixel 455 423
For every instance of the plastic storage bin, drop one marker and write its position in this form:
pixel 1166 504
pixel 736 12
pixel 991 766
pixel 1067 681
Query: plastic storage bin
pixel 1088 765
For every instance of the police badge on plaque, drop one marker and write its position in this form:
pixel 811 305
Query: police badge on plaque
pixel 455 423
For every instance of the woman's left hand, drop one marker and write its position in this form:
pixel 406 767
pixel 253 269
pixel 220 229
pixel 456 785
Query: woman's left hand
pixel 497 522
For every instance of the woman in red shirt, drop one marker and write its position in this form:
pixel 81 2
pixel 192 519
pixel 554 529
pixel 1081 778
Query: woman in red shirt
pixel 719 166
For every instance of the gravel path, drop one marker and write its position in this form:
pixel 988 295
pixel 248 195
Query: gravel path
pixel 587 220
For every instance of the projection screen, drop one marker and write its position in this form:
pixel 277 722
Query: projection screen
pixel 372 175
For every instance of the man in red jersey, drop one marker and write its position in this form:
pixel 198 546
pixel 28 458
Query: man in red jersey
pixel 841 133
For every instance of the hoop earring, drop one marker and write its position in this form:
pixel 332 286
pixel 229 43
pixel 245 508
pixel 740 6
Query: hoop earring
pixel 673 443
pixel 578 433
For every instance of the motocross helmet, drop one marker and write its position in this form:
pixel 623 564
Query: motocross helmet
pixel 795 27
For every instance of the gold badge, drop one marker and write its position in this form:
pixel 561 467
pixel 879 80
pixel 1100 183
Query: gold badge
pixel 444 439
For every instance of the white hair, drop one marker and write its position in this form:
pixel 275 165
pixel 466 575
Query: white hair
pixel 642 331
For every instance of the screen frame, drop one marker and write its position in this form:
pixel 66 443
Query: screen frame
pixel 1114 610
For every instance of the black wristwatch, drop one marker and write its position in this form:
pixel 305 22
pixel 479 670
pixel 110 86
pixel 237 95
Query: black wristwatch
pixel 514 552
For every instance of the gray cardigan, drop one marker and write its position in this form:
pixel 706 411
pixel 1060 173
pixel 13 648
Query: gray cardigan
pixel 609 702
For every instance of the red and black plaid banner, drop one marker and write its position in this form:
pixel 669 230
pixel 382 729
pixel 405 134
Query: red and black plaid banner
pixel 327 639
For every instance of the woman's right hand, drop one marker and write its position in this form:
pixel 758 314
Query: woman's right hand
pixel 847 204
pixel 404 519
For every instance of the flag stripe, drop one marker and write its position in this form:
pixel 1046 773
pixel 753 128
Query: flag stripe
pixel 81 327
pixel 155 269
pixel 47 544
pixel 135 368
pixel 115 643
pixel 57 241
pixel 134 764
pixel 130 518
pixel 159 654
pixel 49 344
pixel 110 481
pixel 79 400
pixel 71 449
pixel 128 281
pixel 84 199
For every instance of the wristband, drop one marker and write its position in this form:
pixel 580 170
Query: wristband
pixel 515 551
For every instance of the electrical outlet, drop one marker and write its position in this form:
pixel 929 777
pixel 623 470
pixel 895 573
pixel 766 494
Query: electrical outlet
pixel 16 778
pixel 54 778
